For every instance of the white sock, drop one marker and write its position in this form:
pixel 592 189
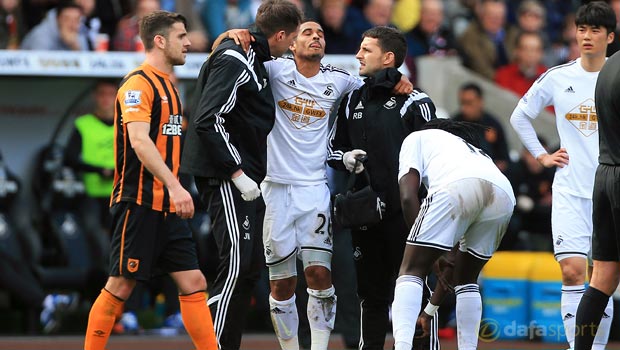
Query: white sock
pixel 285 322
pixel 405 310
pixel 602 335
pixel 571 296
pixel 321 316
pixel 468 315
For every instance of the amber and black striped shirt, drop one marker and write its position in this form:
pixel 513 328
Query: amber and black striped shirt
pixel 146 95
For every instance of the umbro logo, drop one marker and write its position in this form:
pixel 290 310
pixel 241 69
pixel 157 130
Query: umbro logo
pixel 570 90
pixel 292 83
pixel 359 105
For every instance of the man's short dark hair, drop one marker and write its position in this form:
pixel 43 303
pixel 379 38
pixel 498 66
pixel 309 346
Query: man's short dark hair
pixel 596 13
pixel 158 23
pixel 67 5
pixel 390 40
pixel 472 87
pixel 273 16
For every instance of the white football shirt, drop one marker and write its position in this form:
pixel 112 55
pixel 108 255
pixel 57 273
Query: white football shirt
pixel 570 90
pixel 297 144
pixel 442 158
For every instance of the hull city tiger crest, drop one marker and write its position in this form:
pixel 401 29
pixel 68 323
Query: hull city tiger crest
pixel 133 265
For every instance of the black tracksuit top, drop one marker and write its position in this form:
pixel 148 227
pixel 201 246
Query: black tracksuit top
pixel 377 121
pixel 233 113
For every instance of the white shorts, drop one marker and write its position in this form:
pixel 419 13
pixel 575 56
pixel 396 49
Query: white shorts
pixel 296 218
pixel 571 225
pixel 472 211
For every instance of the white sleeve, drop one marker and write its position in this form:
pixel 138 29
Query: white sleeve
pixel 523 126
pixel 410 156
pixel 354 83
pixel 345 81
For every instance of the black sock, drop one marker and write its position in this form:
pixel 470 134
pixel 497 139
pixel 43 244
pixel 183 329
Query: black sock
pixel 589 314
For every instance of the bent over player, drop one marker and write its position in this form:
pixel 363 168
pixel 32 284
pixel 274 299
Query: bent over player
pixel 469 203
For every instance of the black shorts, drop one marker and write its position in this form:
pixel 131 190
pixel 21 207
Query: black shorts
pixel 147 243
pixel 606 214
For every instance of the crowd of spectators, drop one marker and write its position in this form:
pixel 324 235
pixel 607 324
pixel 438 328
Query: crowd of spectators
pixel 487 34
pixel 483 32
pixel 501 40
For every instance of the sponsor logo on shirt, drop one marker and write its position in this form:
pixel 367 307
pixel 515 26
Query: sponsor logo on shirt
pixel 570 90
pixel 173 126
pixel 302 110
pixel 583 117
pixel 132 97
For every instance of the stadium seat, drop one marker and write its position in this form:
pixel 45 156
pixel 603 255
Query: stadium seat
pixel 72 253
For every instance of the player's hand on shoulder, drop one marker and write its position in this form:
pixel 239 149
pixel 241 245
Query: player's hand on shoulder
pixel 558 158
pixel 182 200
pixel 403 87
pixel 242 37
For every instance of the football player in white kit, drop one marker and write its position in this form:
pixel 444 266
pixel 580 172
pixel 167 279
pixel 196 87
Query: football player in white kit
pixel 569 88
pixel 297 215
pixel 469 203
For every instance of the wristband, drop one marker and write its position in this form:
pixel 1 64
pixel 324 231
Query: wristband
pixel 430 309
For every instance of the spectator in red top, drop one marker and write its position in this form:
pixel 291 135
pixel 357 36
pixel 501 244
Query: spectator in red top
pixel 527 66
pixel 126 37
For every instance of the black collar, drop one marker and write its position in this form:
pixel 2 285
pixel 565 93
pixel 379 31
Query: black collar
pixel 382 83
pixel 260 44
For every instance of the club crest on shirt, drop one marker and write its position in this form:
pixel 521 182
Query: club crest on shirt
pixel 132 97
pixel 246 223
pixel 329 90
pixel 391 103
pixel 302 110
pixel 583 117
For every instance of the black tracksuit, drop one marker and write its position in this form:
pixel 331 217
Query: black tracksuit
pixel 228 131
pixel 375 120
